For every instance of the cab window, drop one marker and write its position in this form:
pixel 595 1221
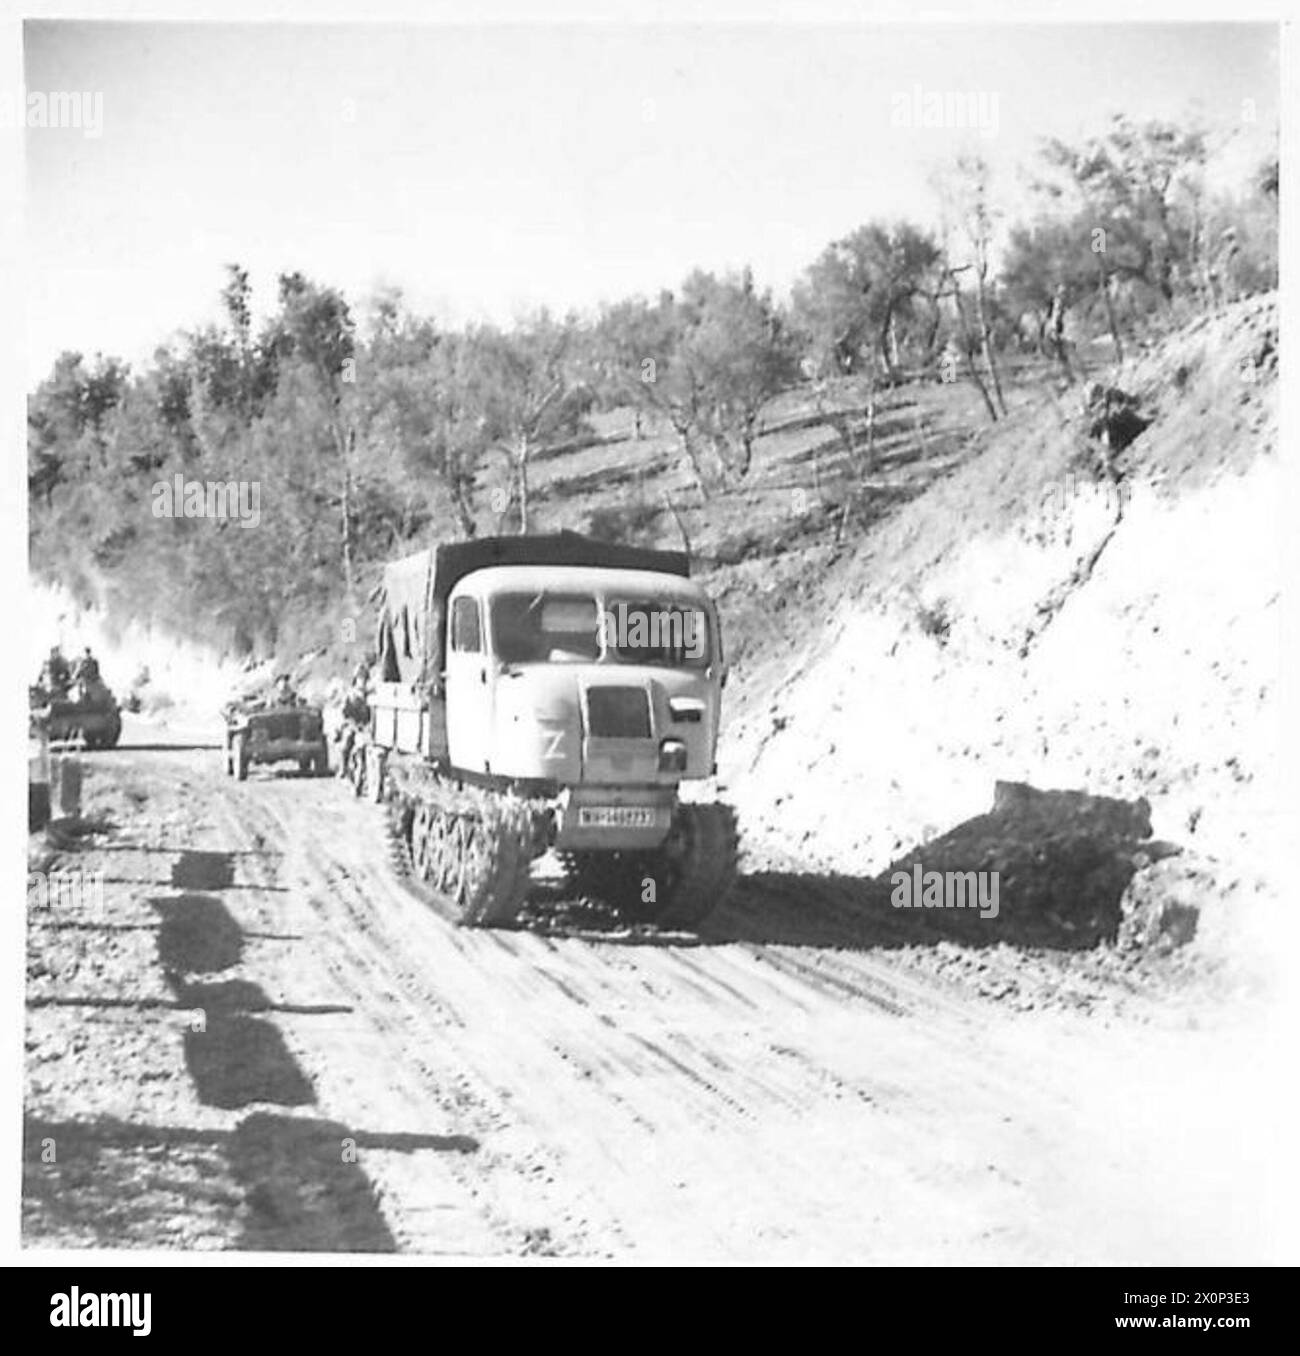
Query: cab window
pixel 466 631
pixel 545 628
pixel 661 634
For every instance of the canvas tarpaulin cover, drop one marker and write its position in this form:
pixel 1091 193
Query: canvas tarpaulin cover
pixel 415 589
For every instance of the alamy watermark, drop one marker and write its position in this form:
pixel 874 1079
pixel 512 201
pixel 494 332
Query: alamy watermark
pixel 57 109
pixel 75 1308
pixel 629 628
pixel 181 498
pixel 946 109
pixel 1060 497
pixel 921 889
pixel 72 890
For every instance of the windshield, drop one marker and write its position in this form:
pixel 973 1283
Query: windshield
pixel 660 633
pixel 545 628
pixel 572 628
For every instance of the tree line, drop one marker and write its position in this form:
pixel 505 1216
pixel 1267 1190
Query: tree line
pixel 369 433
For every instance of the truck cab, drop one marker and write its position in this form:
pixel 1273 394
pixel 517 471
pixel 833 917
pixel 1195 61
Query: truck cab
pixel 575 675
pixel 550 692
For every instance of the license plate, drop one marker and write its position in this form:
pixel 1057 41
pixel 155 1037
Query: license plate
pixel 616 817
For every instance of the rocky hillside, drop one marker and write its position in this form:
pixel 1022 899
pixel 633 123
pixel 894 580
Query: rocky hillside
pixel 1089 604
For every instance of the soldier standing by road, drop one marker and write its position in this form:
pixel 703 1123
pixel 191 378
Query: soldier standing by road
pixel 1056 327
pixel 356 713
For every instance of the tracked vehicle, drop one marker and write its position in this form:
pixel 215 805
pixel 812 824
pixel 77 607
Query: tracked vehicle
pixel 87 714
pixel 549 692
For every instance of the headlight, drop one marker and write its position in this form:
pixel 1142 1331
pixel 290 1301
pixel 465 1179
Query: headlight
pixel 672 756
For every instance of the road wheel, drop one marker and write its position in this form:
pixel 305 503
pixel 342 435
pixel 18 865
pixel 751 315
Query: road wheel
pixel 320 762
pixel 305 765
pixel 239 750
pixel 108 740
pixel 422 829
pixel 456 837
pixel 454 856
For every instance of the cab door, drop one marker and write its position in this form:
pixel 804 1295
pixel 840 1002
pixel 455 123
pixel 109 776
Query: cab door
pixel 469 686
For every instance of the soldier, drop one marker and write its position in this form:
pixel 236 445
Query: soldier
pixel 284 694
pixel 86 669
pixel 55 677
pixel 356 713
pixel 1056 327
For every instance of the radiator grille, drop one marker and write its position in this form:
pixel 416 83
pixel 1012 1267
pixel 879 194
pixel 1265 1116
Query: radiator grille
pixel 289 726
pixel 618 713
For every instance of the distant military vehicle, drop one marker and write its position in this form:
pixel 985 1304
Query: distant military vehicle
pixel 275 729
pixel 84 712
pixel 549 692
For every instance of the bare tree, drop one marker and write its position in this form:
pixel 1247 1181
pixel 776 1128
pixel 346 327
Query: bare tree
pixel 529 394
pixel 968 342
pixel 965 195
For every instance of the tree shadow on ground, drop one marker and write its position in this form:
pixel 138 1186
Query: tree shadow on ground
pixel 203 871
pixel 274 1183
pixel 198 935
pixel 127 746
pixel 234 1057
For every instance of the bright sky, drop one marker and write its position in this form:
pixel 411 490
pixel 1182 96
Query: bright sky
pixel 486 171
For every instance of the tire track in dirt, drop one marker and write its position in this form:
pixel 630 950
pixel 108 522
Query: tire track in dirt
pixel 523 1059
pixel 382 1064
pixel 669 1097
pixel 425 1207
pixel 601 1070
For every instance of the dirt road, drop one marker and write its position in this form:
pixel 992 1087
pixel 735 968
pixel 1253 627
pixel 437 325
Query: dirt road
pixel 262 1040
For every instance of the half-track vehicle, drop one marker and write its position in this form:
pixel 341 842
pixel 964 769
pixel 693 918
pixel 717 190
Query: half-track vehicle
pixel 549 692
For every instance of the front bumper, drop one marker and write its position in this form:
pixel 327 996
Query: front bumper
pixel 278 750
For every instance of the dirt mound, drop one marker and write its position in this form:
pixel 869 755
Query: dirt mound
pixel 1059 863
